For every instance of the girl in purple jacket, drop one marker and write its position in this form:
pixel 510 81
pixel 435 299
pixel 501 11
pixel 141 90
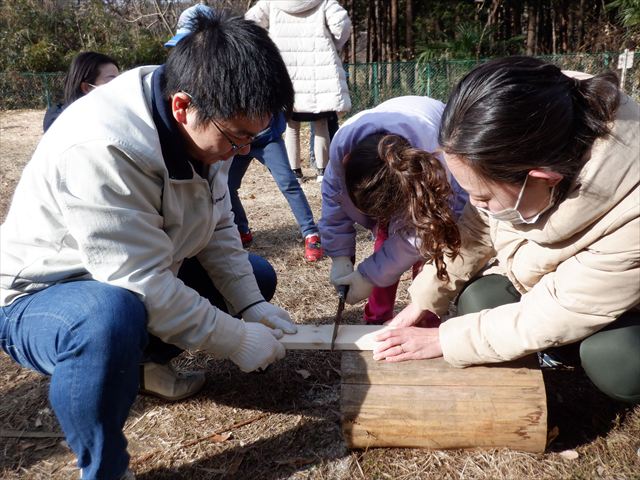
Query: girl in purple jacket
pixel 384 175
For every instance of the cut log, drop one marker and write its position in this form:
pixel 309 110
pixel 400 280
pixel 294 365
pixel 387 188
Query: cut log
pixel 318 337
pixel 429 404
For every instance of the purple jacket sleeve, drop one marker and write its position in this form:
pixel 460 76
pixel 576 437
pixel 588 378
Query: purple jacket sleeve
pixel 337 231
pixel 397 255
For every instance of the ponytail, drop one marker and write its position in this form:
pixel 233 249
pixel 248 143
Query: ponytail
pixel 515 114
pixel 388 178
pixel 595 100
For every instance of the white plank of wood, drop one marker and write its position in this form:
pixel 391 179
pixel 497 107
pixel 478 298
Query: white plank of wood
pixel 318 337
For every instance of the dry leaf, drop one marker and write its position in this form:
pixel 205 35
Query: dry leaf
pixel 220 438
pixel 569 455
pixel 552 435
pixel 303 373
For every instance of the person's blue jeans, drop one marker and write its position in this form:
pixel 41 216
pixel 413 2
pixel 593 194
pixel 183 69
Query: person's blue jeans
pixel 274 157
pixel 91 337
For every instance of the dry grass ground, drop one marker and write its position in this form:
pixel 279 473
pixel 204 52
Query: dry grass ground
pixel 285 423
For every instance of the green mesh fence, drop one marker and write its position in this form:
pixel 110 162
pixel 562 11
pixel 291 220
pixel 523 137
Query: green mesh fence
pixel 372 83
pixel 369 84
pixel 30 90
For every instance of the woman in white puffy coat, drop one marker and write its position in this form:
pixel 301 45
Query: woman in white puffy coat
pixel 310 35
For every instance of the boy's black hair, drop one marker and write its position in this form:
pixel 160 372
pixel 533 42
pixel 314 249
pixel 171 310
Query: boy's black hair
pixel 229 66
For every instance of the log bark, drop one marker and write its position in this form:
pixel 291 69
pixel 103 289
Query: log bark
pixel 428 404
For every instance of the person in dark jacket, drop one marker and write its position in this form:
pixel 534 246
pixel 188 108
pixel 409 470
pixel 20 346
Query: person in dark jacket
pixel 88 70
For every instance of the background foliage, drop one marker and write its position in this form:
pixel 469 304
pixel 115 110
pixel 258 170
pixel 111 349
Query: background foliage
pixel 44 35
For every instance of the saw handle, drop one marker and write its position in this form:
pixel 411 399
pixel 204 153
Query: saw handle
pixel 342 291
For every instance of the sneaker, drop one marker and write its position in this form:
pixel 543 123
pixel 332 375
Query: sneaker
pixel 312 248
pixel 246 238
pixel 297 172
pixel 164 382
pixel 320 176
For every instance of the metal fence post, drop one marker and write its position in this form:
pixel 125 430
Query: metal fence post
pixel 46 90
pixel 376 87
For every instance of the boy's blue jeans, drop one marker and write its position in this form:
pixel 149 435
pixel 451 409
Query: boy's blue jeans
pixel 274 157
pixel 91 337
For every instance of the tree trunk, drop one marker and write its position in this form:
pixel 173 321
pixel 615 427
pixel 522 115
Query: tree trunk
pixel 491 20
pixel 352 45
pixel 409 31
pixel 544 35
pixel 517 13
pixel 378 31
pixel 386 33
pixel 554 32
pixel 564 43
pixel 506 30
pixel 580 26
pixel 369 32
pixel 531 27
pixel 394 30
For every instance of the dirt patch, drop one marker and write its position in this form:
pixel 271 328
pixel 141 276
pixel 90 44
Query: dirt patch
pixel 283 424
pixel 20 132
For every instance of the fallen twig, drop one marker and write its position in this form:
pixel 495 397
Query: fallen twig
pixel 27 434
pixel 210 436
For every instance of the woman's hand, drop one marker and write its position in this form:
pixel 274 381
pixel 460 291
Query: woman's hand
pixel 407 343
pixel 414 316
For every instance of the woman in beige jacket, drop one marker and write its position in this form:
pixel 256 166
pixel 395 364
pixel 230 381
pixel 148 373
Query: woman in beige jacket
pixel 551 237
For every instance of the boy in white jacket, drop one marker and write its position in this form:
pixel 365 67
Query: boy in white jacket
pixel 93 275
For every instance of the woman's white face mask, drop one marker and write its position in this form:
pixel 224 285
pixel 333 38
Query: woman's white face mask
pixel 513 216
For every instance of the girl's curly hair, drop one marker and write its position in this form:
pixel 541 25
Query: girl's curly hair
pixel 388 178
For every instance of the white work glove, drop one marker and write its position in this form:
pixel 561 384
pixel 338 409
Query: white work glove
pixel 258 348
pixel 340 267
pixel 271 316
pixel 359 287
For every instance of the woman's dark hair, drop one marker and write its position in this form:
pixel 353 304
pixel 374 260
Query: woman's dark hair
pixel 386 178
pixel 229 66
pixel 85 67
pixel 515 114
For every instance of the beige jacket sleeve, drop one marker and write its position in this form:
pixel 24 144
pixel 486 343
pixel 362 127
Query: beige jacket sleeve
pixel 584 294
pixel 477 248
